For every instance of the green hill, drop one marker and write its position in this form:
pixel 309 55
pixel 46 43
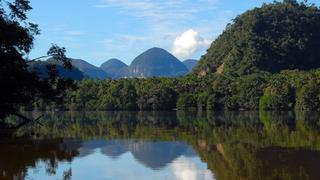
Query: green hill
pixel 277 36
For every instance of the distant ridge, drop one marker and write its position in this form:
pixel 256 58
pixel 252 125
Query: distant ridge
pixel 40 67
pixel 89 70
pixel 190 63
pixel 154 62
pixel 112 67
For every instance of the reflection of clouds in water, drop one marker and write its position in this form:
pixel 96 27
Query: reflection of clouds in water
pixel 187 169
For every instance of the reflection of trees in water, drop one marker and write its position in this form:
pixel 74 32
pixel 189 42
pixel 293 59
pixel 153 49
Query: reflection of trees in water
pixel 19 155
pixel 280 149
pixel 250 145
pixel 241 161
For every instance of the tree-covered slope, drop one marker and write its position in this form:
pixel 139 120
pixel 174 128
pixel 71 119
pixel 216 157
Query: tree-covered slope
pixel 278 36
pixel 112 67
pixel 155 62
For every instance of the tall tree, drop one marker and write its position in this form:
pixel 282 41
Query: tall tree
pixel 18 85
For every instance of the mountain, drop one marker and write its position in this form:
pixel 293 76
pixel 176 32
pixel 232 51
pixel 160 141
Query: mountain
pixel 275 37
pixel 155 62
pixel 89 70
pixel 112 67
pixel 40 67
pixel 190 63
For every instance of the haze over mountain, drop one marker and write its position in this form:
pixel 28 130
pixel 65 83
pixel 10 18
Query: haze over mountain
pixel 40 67
pixel 190 63
pixel 155 62
pixel 112 67
pixel 89 70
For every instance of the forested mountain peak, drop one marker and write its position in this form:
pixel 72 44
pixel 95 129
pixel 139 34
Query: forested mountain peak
pixel 153 55
pixel 275 37
pixel 154 62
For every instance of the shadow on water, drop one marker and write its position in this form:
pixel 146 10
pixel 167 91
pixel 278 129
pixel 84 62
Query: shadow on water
pixel 234 145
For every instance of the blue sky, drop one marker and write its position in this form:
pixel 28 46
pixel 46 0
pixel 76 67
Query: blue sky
pixel 97 30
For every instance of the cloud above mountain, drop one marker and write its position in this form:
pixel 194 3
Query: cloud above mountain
pixel 188 43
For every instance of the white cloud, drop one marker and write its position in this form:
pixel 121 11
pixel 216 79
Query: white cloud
pixel 187 169
pixel 188 43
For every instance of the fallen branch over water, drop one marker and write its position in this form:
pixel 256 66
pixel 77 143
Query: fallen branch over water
pixel 26 120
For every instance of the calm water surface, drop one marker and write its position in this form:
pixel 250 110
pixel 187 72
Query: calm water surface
pixel 164 145
pixel 123 159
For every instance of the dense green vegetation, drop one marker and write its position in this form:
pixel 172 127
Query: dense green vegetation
pixel 126 94
pixel 277 36
pixel 287 90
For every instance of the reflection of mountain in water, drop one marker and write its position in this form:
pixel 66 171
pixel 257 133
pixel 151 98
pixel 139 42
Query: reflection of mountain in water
pixel 88 147
pixel 152 154
pixel 190 152
pixel 114 148
pixel 157 155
